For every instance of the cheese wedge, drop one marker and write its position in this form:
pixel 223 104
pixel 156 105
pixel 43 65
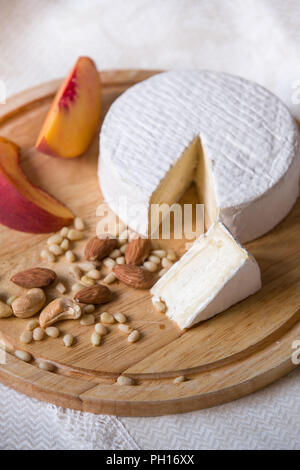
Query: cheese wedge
pixel 235 139
pixel 215 273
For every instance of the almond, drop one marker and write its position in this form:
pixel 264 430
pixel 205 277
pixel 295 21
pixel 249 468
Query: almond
pixel 35 277
pixel 137 251
pixel 29 304
pixel 134 276
pixel 99 248
pixel 98 294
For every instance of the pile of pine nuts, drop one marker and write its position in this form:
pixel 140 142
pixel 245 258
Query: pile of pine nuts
pixel 86 274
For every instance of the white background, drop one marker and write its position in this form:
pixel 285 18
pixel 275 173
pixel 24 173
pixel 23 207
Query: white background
pixel 258 39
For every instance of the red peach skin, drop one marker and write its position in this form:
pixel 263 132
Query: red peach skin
pixel 23 206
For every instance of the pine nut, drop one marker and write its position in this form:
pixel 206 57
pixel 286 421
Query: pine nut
pixel 76 287
pixel 75 272
pixel 125 328
pixel 74 235
pixel 109 279
pixel 95 339
pixel 47 366
pixel 100 329
pixel 79 224
pixel 120 260
pixel 154 259
pixel 52 331
pixel 166 263
pixel 123 249
pixel 46 255
pixel 87 320
pixel 162 272
pixel 5 310
pixel 26 337
pixel 32 324
pixel 160 306
pixel 54 240
pixel 61 288
pixel 70 256
pixel 23 355
pixel 171 255
pixel 55 249
pixel 65 244
pixel 89 308
pixel 109 263
pixel 123 380
pixel 38 334
pixel 86 266
pixel 149 266
pixel 11 299
pixel 134 336
pixel 68 340
pixel 115 253
pixel 123 237
pixel 120 317
pixel 159 253
pixel 179 379
pixel 64 232
pixel 94 274
pixel 87 281
pixel 106 317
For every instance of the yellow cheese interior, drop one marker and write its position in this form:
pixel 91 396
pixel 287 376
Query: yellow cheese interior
pixel 191 167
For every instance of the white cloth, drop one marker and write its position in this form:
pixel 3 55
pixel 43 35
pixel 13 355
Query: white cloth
pixel 258 39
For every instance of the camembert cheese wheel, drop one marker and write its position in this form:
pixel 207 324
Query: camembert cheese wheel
pixel 234 138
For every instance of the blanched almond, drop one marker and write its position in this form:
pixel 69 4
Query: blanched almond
pixel 29 304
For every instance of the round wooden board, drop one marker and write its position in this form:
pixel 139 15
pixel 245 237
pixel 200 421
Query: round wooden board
pixel 231 355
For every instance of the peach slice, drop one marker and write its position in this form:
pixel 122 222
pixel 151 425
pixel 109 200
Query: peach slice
pixel 73 118
pixel 23 206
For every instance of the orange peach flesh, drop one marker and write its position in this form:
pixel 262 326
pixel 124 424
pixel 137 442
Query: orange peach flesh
pixel 24 206
pixel 73 118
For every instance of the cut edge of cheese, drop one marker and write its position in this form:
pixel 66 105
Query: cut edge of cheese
pixel 192 166
pixel 214 274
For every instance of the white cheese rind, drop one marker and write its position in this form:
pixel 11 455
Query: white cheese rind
pixel 247 133
pixel 214 274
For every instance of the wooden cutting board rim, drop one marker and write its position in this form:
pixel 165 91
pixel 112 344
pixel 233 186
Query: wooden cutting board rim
pixel 179 399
